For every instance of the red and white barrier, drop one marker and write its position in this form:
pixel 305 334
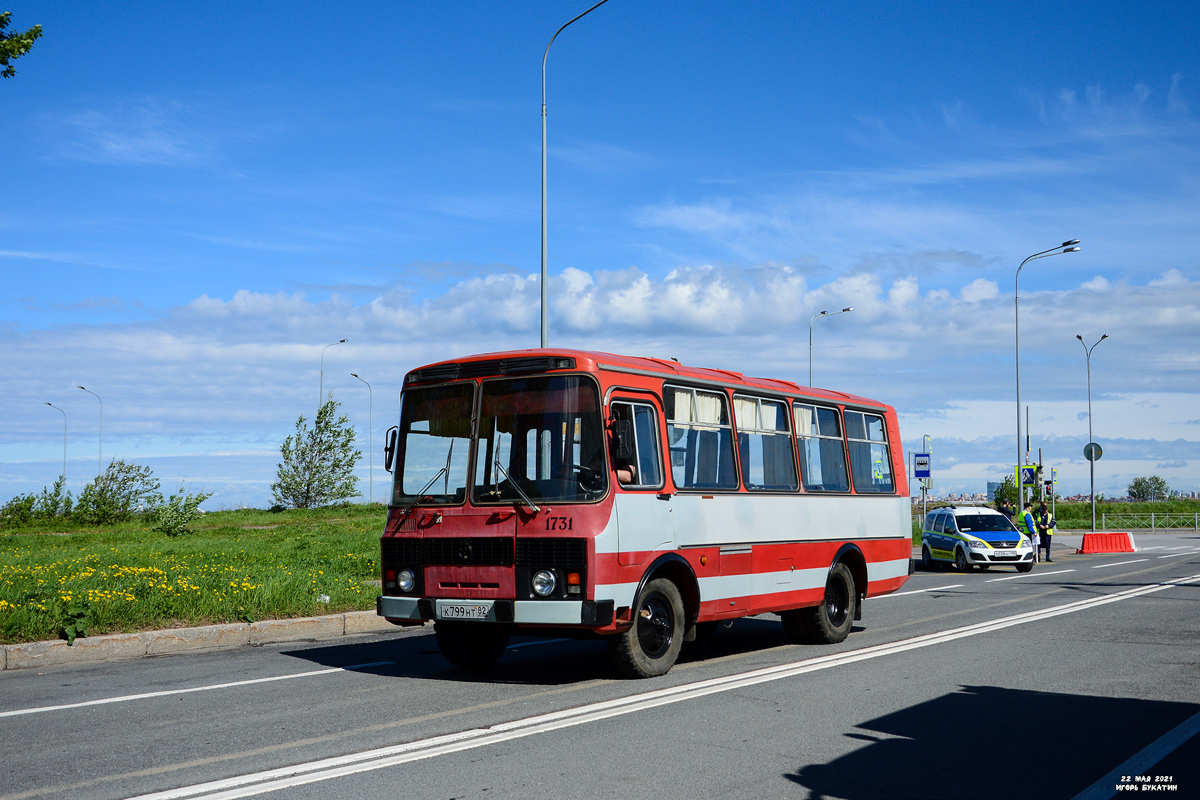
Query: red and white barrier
pixel 1107 543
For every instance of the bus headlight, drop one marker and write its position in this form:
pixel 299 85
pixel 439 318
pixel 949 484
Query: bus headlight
pixel 544 583
pixel 406 580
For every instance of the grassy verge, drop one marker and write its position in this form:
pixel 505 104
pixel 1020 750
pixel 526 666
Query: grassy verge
pixel 235 565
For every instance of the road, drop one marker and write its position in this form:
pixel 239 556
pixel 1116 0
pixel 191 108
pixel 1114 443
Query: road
pixel 977 685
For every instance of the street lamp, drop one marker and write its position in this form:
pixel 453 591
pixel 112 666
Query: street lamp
pixel 1091 445
pixel 100 452
pixel 545 319
pixel 1065 247
pixel 370 438
pixel 810 327
pixel 64 472
pixel 321 399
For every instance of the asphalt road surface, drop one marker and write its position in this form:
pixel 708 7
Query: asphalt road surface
pixel 1080 679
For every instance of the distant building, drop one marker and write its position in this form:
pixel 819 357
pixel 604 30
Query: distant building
pixel 992 486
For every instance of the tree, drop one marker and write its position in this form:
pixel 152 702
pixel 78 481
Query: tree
pixel 123 490
pixel 1147 490
pixel 14 45
pixel 318 463
pixel 1007 491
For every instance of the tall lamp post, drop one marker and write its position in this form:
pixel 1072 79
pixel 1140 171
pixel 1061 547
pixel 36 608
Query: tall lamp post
pixel 370 438
pixel 321 399
pixel 545 313
pixel 1091 445
pixel 64 472
pixel 810 329
pixel 100 451
pixel 1065 247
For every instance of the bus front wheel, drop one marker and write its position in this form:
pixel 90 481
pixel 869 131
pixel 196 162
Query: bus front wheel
pixel 651 645
pixel 471 645
pixel 830 622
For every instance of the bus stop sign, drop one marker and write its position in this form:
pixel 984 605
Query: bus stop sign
pixel 921 465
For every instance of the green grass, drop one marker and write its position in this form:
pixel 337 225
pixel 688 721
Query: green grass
pixel 234 565
pixel 1079 515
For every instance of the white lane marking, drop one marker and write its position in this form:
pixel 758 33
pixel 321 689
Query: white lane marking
pixel 1029 575
pixel 1156 547
pixel 340 766
pixel 1142 761
pixel 918 591
pixel 1177 555
pixel 126 698
pixel 1119 563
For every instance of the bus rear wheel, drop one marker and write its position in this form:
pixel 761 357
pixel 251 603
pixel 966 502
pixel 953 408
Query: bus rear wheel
pixel 830 622
pixel 651 645
pixel 471 645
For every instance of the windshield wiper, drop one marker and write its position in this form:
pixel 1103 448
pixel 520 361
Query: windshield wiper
pixel 516 486
pixel 421 494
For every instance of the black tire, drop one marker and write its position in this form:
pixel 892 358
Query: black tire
pixel 830 622
pixel 471 645
pixel 1027 567
pixel 927 562
pixel 651 645
pixel 960 561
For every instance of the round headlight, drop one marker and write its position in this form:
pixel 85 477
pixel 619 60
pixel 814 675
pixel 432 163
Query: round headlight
pixel 544 583
pixel 406 580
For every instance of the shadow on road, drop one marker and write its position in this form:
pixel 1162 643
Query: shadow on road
pixel 532 660
pixel 986 743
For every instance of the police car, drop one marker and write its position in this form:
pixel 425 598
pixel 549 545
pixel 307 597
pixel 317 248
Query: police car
pixel 973 537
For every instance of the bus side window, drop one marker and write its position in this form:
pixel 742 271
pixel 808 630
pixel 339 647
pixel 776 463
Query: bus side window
pixel 643 468
pixel 765 444
pixel 870 462
pixel 700 438
pixel 822 457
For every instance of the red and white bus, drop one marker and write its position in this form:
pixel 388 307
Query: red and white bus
pixel 562 492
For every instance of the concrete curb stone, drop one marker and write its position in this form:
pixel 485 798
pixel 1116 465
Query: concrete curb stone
pixel 122 646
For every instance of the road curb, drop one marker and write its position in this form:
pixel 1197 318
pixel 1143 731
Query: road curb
pixel 123 646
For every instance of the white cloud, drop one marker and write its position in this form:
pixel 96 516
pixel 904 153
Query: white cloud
pixel 979 290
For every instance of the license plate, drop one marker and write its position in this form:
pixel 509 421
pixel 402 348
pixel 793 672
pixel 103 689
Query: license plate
pixel 448 609
pixel 1004 555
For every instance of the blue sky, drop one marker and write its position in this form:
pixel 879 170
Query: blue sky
pixel 201 196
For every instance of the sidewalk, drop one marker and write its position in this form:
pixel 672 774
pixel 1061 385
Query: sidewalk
pixel 120 646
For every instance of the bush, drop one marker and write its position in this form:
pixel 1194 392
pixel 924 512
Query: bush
pixel 181 508
pixel 123 490
pixel 18 511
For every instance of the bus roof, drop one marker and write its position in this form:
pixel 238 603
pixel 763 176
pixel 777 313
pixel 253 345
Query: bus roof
pixel 536 360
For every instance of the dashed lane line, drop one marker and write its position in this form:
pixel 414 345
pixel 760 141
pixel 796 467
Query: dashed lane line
pixel 1120 563
pixel 1030 575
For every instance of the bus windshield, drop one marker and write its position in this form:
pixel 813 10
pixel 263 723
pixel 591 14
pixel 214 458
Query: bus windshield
pixel 984 523
pixel 434 442
pixel 541 440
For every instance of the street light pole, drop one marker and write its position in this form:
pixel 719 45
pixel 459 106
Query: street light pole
pixel 810 329
pixel 321 399
pixel 1065 247
pixel 100 453
pixel 370 439
pixel 545 311
pixel 64 472
pixel 1091 461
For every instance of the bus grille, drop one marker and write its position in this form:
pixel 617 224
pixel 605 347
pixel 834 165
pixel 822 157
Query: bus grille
pixel 551 553
pixel 459 550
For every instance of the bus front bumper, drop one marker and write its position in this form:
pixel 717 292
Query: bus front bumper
pixel 586 613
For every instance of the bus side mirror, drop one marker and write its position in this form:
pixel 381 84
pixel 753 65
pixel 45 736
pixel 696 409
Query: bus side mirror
pixel 623 449
pixel 389 447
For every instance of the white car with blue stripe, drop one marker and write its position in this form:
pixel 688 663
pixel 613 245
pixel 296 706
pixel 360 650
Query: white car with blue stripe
pixel 973 537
